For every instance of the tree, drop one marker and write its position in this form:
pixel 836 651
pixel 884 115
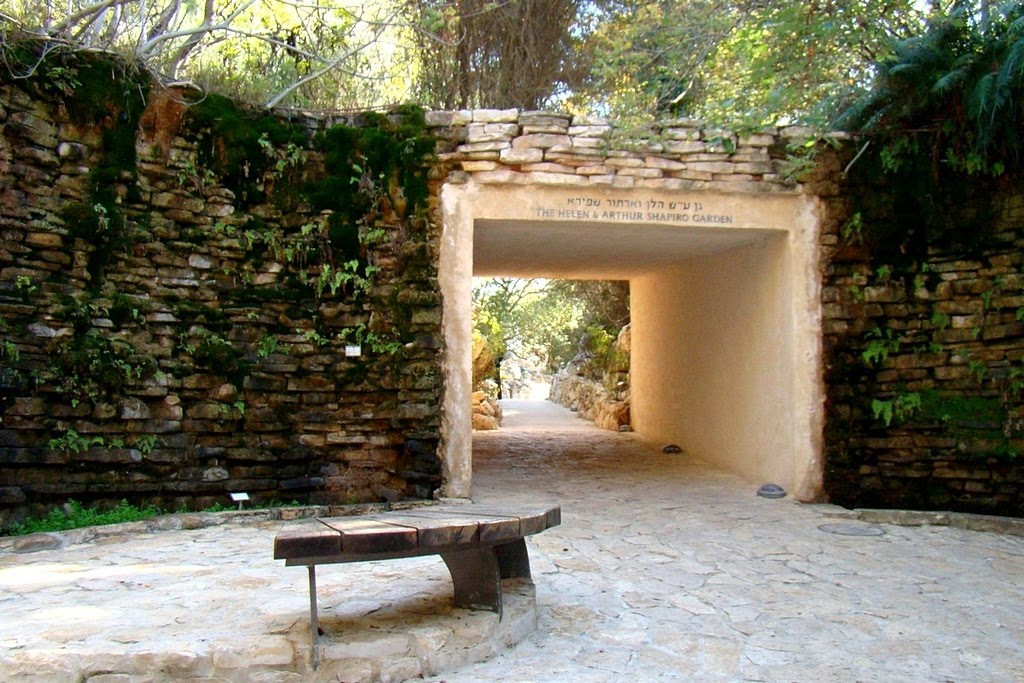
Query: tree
pixel 942 129
pixel 545 320
pixel 480 53
pixel 739 61
pixel 281 51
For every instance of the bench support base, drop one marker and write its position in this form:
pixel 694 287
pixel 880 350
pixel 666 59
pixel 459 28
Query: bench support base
pixel 476 575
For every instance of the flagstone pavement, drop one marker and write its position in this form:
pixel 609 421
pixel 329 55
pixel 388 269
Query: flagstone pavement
pixel 663 569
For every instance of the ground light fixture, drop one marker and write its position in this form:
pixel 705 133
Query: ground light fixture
pixel 771 491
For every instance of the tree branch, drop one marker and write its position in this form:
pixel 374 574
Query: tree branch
pixel 276 99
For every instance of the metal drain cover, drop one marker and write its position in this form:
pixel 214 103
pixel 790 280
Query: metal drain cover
pixel 852 529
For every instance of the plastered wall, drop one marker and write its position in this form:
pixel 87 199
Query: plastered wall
pixel 726 350
pixel 713 359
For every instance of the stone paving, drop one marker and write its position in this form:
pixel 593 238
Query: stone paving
pixel 662 569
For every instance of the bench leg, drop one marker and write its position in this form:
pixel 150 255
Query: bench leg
pixel 314 622
pixel 477 573
pixel 513 560
pixel 476 578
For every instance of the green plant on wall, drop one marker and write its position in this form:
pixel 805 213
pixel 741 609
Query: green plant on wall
pixel 880 343
pixel 900 408
pixel 91 367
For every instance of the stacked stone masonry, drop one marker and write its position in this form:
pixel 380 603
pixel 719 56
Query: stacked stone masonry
pixel 509 146
pixel 923 367
pixel 235 379
pixel 297 418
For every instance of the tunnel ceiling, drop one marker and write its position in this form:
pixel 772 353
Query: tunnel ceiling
pixel 594 250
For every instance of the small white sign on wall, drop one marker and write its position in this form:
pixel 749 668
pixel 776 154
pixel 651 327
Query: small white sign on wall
pixel 353 350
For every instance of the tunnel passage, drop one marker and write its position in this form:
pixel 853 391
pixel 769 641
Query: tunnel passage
pixel 725 312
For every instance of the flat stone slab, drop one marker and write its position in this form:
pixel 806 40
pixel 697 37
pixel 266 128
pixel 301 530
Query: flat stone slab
pixel 671 570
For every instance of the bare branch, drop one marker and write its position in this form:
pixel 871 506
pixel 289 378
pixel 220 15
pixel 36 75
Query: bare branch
pixel 84 13
pixel 147 49
pixel 274 101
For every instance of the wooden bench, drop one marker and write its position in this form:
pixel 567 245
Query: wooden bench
pixel 480 544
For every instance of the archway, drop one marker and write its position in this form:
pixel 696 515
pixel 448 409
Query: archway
pixel 725 309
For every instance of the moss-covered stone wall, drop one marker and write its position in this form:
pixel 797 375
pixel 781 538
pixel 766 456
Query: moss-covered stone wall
pixel 181 283
pixel 924 349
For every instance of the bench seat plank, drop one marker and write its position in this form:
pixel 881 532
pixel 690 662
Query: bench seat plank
pixel 365 537
pixel 435 531
pixel 308 541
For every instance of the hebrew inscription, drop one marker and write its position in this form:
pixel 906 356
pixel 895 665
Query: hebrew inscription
pixel 633 210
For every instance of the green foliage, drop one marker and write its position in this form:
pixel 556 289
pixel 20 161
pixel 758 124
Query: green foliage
pixel 880 343
pixel 944 122
pixel 90 367
pixel 900 408
pixel 212 351
pixel 546 319
pixel 73 442
pixel 267 345
pixel 378 170
pixel 741 64
pixel 74 516
pixel 605 359
pixel 242 145
pixel 377 342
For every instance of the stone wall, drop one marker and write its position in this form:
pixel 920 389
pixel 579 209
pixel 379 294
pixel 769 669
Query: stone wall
pixel 923 365
pixel 204 350
pixel 513 147
pixel 604 400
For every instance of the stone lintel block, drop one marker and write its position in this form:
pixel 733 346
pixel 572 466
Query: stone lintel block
pixel 589 131
pixel 442 119
pixel 755 168
pixel 575 156
pixel 543 178
pixel 495 115
pixel 495 146
pixel 690 174
pixel 544 118
pixel 473 166
pixel 500 176
pixel 663 163
pixel 541 141
pixel 624 162
pixel 750 155
pixel 491 132
pixel 723 167
pixel 733 177
pixel 601 179
pixel 481 156
pixel 641 172
pixel 523 155
pixel 553 130
pixel 670 184
pixel 758 140
pixel 549 167
pixel 684 146
pixel 705 156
